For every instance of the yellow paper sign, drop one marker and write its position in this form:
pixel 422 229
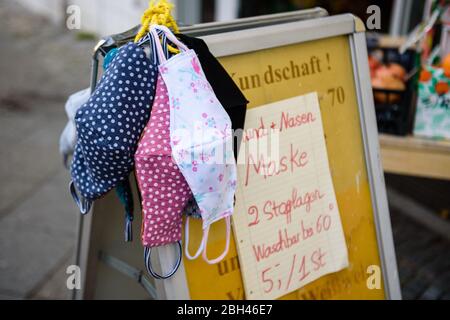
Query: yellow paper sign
pixel 287 224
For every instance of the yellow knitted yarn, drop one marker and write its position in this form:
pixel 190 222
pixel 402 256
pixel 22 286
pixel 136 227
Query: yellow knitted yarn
pixel 157 13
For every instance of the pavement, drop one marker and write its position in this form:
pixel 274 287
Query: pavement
pixel 423 260
pixel 419 209
pixel 40 65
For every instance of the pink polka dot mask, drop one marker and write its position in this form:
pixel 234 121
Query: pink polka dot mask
pixel 164 190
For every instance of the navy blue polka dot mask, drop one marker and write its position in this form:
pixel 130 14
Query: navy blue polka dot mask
pixel 110 123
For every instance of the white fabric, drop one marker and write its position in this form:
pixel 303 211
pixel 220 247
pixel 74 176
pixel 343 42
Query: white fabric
pixel 68 137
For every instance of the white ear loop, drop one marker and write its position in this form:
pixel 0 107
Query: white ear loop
pixel 203 244
pixel 186 243
pixel 227 245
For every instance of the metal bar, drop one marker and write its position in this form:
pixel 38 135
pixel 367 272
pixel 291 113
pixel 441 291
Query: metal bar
pixel 129 271
pixel 255 39
pixel 406 17
pixel 81 219
pixel 374 168
pixel 396 18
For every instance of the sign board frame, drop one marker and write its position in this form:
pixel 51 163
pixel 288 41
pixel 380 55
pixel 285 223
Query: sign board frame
pixel 266 37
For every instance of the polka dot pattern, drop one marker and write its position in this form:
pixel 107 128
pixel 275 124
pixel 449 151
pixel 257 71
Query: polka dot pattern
pixel 163 188
pixel 110 123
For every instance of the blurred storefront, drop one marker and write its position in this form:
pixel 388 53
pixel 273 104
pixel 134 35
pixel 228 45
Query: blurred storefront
pixel 397 16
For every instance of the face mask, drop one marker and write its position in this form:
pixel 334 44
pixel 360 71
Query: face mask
pixel 201 136
pixel 110 123
pixel 109 57
pixel 226 90
pixel 68 137
pixel 163 189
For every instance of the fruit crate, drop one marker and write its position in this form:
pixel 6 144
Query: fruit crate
pixel 395 108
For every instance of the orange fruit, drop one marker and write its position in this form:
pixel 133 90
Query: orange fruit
pixel 441 88
pixel 397 70
pixel 383 72
pixel 391 83
pixel 447 72
pixel 425 76
pixel 446 62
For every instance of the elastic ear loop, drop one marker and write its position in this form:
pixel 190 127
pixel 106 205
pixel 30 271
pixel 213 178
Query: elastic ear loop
pixel 170 36
pixel 227 246
pixel 84 205
pixel 149 37
pixel 186 243
pixel 149 267
pixel 157 46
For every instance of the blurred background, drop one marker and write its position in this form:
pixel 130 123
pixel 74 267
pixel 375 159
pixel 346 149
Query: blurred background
pixel 42 62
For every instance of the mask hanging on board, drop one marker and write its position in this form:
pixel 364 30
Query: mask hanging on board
pixel 164 191
pixel 109 125
pixel 201 137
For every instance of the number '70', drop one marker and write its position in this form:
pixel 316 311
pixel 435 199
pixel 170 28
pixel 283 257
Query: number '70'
pixel 337 95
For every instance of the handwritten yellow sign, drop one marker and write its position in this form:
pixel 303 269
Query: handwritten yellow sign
pixel 287 224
